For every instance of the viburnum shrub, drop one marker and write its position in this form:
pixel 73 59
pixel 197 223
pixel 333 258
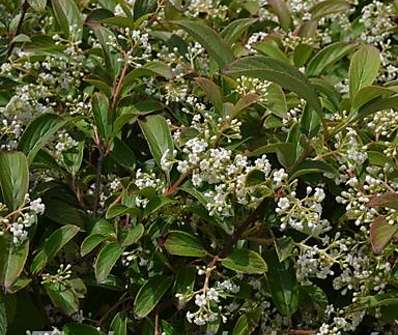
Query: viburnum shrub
pixel 199 167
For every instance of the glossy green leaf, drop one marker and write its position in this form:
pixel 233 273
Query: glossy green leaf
pixel 180 243
pixel 102 115
pixel 363 69
pixel 119 324
pixel 212 91
pixel 54 243
pixel 278 72
pixel 62 297
pixel 133 235
pixel 310 123
pixel 14 178
pixel 39 132
pixel 68 17
pixel 158 136
pixel 150 294
pixel 233 31
pixel 245 261
pixel 106 260
pixel 325 8
pixel 328 56
pixel 280 8
pixel 216 47
pixel 91 242
pixel 283 284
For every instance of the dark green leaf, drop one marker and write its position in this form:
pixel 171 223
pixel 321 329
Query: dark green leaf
pixel 157 134
pixel 150 294
pixel 55 242
pixel 245 261
pixel 216 47
pixel 181 243
pixel 14 178
pixel 363 69
pixel 106 259
pixel 278 72
pixel 283 284
pixel 39 132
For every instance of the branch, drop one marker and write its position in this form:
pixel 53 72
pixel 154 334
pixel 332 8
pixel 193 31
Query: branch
pixel 258 212
pixel 24 8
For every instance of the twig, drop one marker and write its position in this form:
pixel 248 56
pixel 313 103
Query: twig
pixel 302 331
pixel 98 186
pixel 156 328
pixel 24 8
pixel 121 301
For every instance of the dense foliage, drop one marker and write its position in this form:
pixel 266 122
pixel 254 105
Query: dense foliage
pixel 199 167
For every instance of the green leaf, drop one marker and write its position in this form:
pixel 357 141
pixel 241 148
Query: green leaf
pixel 150 294
pixel 54 243
pixel 180 243
pixel 68 17
pixel 284 248
pixel 212 91
pixel 80 329
pixel 245 261
pixel 101 115
pixel 106 259
pixel 283 284
pixel 119 324
pixel 63 297
pixel 158 136
pixel 73 158
pixel 247 323
pixel 185 280
pixel 328 7
pixel 310 123
pixel 3 316
pixel 216 47
pixel 377 105
pixel 277 72
pixel 16 260
pixel 271 48
pixel 328 56
pixel 39 132
pixel 317 295
pixel 280 8
pixel 313 166
pixel 14 178
pixel 234 30
pixel 149 69
pixel 276 101
pixel 368 94
pixel 381 233
pixel 133 235
pixel 91 242
pixel 363 69
pixel 143 7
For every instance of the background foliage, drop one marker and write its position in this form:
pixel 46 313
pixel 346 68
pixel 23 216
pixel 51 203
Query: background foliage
pixel 198 167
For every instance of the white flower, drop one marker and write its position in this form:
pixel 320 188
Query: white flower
pixel 37 206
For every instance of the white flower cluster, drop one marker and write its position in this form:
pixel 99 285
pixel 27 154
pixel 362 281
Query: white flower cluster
pixel 63 273
pixel 145 180
pixel 303 214
pixel 208 301
pixel 22 219
pixel 250 85
pixel 384 123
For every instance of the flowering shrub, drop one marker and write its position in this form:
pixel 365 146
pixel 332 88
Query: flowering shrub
pixel 199 167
